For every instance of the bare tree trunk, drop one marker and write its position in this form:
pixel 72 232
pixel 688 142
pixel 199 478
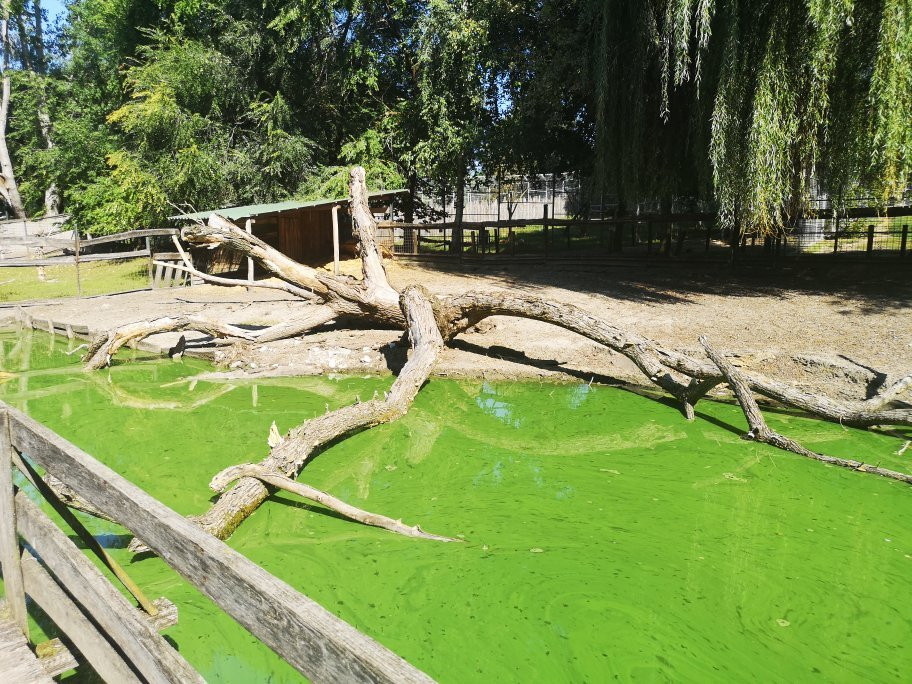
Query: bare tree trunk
pixel 10 188
pixel 289 457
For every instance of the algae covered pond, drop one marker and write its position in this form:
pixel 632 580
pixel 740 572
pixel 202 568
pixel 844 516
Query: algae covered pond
pixel 605 537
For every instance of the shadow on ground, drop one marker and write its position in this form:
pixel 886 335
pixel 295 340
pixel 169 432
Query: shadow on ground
pixel 869 288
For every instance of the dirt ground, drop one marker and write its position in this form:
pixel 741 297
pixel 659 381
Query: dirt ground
pixel 843 330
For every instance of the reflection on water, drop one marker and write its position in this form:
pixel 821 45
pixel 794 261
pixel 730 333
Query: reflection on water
pixel 606 538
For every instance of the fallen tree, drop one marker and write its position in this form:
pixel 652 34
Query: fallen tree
pixel 432 322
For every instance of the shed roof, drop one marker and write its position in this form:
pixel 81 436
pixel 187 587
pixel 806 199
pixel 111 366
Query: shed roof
pixel 254 210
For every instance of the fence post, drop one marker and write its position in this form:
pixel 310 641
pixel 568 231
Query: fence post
pixel 76 249
pixel 870 249
pixel 708 235
pixel 836 238
pixel 545 228
pixel 335 220
pixel 902 244
pixel 9 538
pixel 149 250
pixel 248 226
pixel 648 238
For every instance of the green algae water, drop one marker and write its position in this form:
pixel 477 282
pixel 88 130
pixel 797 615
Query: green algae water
pixel 605 537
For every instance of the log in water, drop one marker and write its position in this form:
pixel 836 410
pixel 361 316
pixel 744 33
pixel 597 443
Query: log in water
pixel 604 535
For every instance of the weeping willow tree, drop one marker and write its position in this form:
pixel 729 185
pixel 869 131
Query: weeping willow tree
pixel 752 104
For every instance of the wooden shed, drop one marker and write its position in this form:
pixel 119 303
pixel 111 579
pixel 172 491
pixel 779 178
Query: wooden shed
pixel 302 230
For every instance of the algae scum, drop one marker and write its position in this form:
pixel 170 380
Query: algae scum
pixel 605 537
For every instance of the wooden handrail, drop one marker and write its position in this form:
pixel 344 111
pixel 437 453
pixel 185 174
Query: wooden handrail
pixel 317 643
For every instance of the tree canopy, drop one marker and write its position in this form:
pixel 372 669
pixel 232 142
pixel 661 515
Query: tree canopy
pixel 133 109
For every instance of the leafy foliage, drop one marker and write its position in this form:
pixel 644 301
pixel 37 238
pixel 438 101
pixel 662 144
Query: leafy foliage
pixel 164 104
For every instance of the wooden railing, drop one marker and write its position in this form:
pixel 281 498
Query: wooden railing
pixel 54 252
pixel 314 641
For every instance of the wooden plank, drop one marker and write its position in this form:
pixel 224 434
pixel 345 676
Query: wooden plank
pixel 248 226
pixel 130 235
pixel 18 664
pixel 55 658
pixel 69 261
pixel 317 643
pixel 140 642
pixel 75 328
pixel 159 275
pixel 9 540
pixel 335 231
pixel 58 606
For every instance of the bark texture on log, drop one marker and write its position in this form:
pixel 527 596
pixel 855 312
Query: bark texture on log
pixel 376 285
pixel 301 443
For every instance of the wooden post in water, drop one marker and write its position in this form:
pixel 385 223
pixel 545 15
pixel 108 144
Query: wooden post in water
pixel 13 586
pixel 335 218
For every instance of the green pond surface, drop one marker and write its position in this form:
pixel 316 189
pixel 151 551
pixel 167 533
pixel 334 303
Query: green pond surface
pixel 606 538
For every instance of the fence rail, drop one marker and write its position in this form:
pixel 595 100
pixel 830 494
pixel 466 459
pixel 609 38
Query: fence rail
pixel 693 235
pixel 317 643
pixel 74 258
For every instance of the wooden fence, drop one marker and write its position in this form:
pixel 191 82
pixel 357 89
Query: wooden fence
pixel 864 232
pixel 317 643
pixel 55 251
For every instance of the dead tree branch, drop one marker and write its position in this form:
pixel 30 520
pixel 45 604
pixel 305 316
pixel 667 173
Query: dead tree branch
pixel 301 443
pixel 761 432
pixel 103 347
pixel 221 481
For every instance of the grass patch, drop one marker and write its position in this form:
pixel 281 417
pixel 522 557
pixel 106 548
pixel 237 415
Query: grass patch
pixel 98 277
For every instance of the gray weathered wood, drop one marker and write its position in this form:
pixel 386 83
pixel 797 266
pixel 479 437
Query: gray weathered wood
pixel 54 601
pixel 147 650
pixel 248 226
pixel 335 220
pixel 159 275
pixel 18 665
pixel 55 658
pixel 313 640
pixel 70 260
pixel 9 540
pixel 130 235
